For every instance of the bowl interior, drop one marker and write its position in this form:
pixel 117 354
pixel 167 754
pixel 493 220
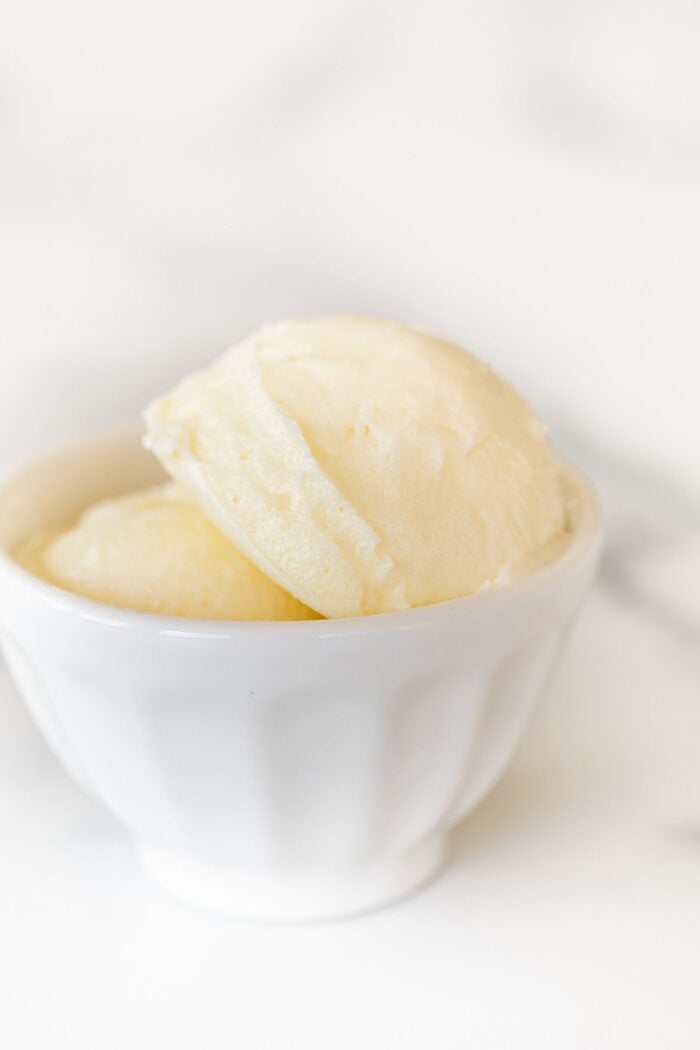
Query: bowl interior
pixel 53 490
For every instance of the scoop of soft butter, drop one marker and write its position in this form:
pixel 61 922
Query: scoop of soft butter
pixel 363 465
pixel 155 551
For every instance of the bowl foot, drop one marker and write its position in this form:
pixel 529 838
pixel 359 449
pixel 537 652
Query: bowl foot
pixel 289 894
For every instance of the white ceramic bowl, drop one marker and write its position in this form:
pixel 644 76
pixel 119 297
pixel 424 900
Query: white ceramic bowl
pixel 276 770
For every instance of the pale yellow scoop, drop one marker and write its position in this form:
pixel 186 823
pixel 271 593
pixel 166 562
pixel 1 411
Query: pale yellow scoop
pixel 363 465
pixel 155 551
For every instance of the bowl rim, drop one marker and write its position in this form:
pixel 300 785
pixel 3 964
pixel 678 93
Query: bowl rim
pixel 583 544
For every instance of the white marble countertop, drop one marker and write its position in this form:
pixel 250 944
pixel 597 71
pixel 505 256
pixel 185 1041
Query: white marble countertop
pixel 172 177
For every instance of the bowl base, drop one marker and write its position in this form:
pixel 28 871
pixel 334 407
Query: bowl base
pixel 293 894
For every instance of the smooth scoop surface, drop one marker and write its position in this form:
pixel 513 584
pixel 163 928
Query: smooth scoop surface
pixel 156 552
pixel 363 465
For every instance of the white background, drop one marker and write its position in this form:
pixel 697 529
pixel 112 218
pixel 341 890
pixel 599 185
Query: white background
pixel 524 177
